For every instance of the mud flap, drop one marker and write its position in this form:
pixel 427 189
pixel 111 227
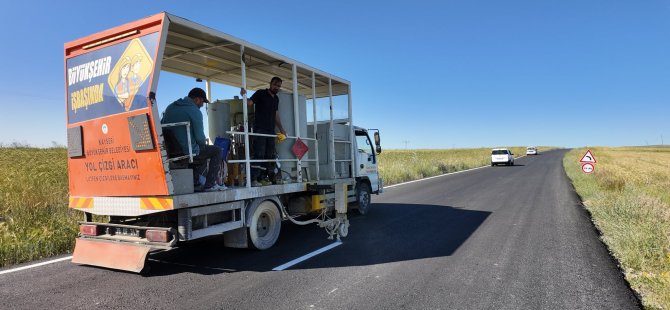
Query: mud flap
pixel 114 255
pixel 236 238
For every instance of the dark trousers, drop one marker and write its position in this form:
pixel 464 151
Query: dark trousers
pixel 212 154
pixel 264 148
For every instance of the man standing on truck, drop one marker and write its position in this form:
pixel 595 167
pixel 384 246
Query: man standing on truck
pixel 266 118
pixel 187 109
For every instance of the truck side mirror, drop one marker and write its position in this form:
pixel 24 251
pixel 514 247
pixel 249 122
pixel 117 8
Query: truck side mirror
pixel 378 143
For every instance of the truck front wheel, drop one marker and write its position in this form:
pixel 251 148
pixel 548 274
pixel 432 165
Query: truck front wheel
pixel 363 198
pixel 265 226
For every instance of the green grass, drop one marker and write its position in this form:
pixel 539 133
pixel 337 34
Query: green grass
pixel 628 196
pixel 34 219
pixel 397 166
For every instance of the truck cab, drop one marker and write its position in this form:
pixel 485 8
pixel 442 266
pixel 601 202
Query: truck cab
pixel 366 168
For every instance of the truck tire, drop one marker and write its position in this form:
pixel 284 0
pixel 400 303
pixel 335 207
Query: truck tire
pixel 265 226
pixel 363 198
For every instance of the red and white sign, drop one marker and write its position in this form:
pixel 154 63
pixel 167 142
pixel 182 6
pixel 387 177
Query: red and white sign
pixel 588 158
pixel 588 167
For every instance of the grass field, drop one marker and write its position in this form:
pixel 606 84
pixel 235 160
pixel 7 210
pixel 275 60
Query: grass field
pixel 34 220
pixel 397 166
pixel 628 196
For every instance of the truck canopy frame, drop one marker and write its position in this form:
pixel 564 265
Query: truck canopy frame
pixel 190 49
pixel 211 55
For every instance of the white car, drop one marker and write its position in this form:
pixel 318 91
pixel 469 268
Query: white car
pixel 531 150
pixel 502 156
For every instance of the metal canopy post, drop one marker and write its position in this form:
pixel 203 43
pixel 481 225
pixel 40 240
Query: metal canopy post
pixel 351 131
pixel 316 140
pixel 245 112
pixel 208 93
pixel 296 118
pixel 208 88
pixel 332 129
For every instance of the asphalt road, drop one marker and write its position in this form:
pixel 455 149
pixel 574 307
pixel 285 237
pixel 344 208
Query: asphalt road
pixel 492 238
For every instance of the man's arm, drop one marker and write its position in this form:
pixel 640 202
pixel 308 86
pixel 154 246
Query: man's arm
pixel 278 123
pixel 198 129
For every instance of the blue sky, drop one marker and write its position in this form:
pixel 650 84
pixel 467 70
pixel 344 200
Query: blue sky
pixel 429 74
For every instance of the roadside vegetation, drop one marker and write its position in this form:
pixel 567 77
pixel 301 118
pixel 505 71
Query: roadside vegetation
pixel 628 196
pixel 397 166
pixel 34 219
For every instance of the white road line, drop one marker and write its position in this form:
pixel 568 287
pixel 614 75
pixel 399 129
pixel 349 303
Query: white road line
pixel 437 176
pixel 36 265
pixel 441 175
pixel 307 256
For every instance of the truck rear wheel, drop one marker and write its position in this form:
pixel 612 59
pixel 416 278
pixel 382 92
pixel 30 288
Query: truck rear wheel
pixel 265 226
pixel 363 198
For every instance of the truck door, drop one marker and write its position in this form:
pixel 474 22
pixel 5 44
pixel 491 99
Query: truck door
pixel 366 160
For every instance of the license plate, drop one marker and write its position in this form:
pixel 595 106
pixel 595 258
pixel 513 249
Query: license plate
pixel 123 231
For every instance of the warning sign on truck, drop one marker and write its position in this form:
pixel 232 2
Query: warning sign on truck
pixel 111 80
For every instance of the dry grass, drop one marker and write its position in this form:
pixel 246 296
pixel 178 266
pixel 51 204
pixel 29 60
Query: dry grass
pixel 628 196
pixel 34 219
pixel 397 166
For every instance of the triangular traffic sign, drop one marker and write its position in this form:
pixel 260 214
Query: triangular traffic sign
pixel 588 158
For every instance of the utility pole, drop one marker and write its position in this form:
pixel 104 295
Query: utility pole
pixel 406 142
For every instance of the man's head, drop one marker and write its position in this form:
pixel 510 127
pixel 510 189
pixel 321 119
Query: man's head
pixel 275 84
pixel 199 96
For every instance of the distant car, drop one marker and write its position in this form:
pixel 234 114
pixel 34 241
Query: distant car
pixel 502 156
pixel 531 150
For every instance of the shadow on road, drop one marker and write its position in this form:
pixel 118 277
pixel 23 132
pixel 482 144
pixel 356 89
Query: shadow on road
pixel 390 233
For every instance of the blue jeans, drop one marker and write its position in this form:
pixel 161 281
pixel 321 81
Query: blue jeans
pixel 212 154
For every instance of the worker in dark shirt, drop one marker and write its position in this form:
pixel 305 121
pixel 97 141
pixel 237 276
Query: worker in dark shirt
pixel 266 119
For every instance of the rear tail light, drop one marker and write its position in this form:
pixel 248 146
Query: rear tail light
pixel 158 235
pixel 88 230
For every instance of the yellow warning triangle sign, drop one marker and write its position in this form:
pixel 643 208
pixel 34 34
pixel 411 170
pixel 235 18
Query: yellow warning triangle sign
pixel 588 158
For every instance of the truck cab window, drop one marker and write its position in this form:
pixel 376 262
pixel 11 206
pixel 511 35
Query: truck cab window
pixel 365 146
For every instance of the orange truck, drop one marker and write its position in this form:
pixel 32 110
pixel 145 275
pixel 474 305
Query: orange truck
pixel 123 174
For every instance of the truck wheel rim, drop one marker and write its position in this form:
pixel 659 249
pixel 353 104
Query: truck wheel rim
pixel 364 198
pixel 263 225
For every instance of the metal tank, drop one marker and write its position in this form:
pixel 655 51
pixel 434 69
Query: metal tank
pixel 287 116
pixel 218 117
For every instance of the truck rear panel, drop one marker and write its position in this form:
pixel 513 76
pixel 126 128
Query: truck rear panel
pixel 112 144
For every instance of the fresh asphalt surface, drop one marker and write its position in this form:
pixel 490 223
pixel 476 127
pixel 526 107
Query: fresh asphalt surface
pixel 493 238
